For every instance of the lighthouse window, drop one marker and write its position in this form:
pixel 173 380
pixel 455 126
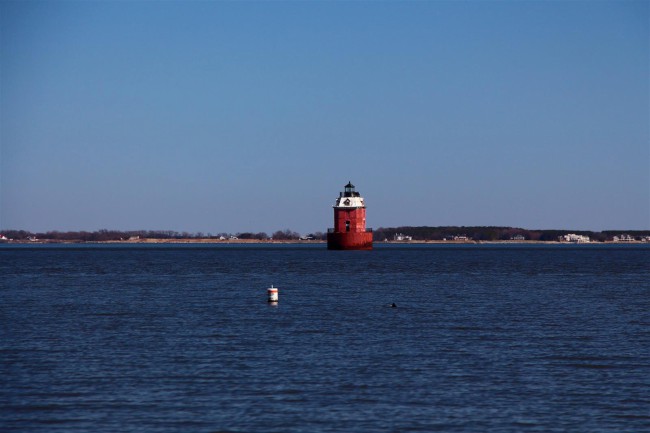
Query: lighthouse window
pixel 347 226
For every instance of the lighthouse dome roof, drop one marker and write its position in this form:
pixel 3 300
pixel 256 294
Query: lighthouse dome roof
pixel 350 202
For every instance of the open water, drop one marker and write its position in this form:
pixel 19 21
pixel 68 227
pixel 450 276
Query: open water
pixel 182 339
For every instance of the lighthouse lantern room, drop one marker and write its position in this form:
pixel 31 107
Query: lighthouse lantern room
pixel 349 232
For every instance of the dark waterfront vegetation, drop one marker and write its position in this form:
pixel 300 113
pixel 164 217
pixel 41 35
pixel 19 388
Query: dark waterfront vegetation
pixel 118 235
pixel 491 233
pixel 423 233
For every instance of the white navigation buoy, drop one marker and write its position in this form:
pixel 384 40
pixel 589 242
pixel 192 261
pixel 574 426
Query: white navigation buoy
pixel 273 294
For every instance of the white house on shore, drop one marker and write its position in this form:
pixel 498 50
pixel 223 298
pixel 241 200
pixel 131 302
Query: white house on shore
pixel 572 237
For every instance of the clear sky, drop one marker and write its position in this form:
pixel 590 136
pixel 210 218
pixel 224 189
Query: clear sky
pixel 252 116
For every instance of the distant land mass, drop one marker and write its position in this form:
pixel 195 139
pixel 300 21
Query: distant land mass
pixel 492 233
pixel 390 234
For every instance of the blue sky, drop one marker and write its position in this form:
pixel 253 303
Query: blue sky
pixel 251 116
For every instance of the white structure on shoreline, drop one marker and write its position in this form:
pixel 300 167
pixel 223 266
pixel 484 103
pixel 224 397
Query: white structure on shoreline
pixel 402 237
pixel 623 238
pixel 578 239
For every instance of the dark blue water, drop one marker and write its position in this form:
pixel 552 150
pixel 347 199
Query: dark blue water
pixel 170 339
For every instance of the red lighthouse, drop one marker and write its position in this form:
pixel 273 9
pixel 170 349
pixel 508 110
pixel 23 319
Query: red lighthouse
pixel 349 232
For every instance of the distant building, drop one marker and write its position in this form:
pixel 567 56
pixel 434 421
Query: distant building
pixel 461 238
pixel 518 238
pixel 623 238
pixel 572 237
pixel 402 237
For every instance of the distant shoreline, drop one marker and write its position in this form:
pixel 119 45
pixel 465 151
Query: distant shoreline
pixel 308 242
pixel 441 235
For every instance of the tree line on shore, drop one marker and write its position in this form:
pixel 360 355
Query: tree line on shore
pixel 119 235
pixel 425 233
pixel 491 233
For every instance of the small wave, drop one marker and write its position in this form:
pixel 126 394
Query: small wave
pixel 580 358
pixel 632 416
pixel 311 331
pixel 524 423
pixel 38 408
pixel 58 421
pixel 467 328
pixel 216 335
pixel 111 314
pixel 591 366
pixel 289 391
